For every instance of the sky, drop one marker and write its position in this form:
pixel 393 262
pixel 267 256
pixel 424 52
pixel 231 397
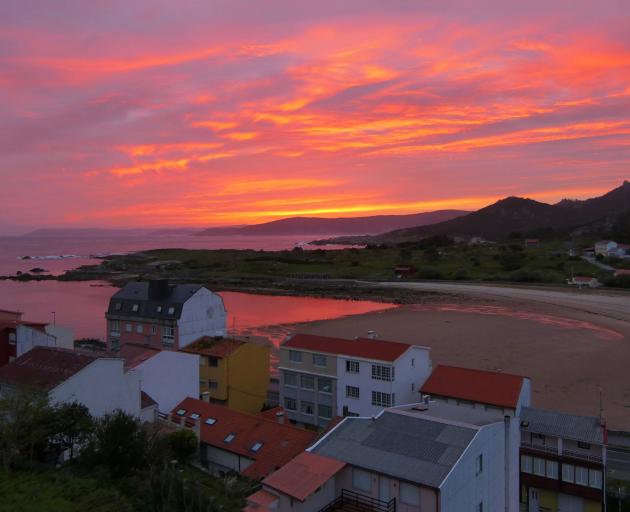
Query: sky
pixel 123 113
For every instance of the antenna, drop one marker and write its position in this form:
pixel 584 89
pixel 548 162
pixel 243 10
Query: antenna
pixel 601 407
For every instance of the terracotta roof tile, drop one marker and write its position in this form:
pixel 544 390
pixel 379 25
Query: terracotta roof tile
pixel 280 442
pixel 380 350
pixel 146 400
pixel 45 367
pixel 492 388
pixel 135 354
pixel 208 346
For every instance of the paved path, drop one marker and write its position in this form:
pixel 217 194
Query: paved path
pixel 594 261
pixel 611 304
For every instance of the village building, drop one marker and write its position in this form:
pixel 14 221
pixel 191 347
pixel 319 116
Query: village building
pixel 584 282
pixel 66 376
pixel 414 458
pixel 163 315
pixel 232 372
pixel 562 462
pixel 479 389
pixel 605 247
pixel 322 377
pixel 232 441
pixel 532 242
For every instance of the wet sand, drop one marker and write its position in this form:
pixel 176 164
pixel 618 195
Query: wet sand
pixel 568 353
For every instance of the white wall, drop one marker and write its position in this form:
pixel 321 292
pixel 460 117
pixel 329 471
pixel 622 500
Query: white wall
pixel 525 399
pixel 224 461
pixel 463 489
pixel 103 387
pixel 169 377
pixel 27 338
pixel 313 503
pixel 64 336
pixel 203 314
pixel 405 374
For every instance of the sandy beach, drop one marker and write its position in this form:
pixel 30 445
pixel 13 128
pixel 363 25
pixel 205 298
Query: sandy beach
pixel 569 344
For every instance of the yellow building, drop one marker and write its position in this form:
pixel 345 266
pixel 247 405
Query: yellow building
pixel 232 372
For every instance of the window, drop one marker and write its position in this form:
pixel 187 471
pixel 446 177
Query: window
pixel 295 356
pixel 290 404
pixel 584 446
pixel 139 328
pixel 595 479
pixel 229 438
pixel 382 399
pixel 324 385
pixel 413 387
pixel 181 412
pixel 134 308
pixel 114 326
pixel 168 334
pixel 413 361
pixel 128 327
pixel 158 309
pixel 352 366
pixel 195 416
pixel 361 480
pixel 526 464
pixel 380 372
pixel 479 464
pixel 171 310
pixel 118 306
pixel 307 408
pixel 154 329
pixel 539 466
pixel 212 384
pixel 12 338
pixel 319 360
pixel 213 361
pixel 581 475
pixel 352 392
pixel 568 473
pixel 552 469
pixel 210 421
pixel 290 379
pixel 256 446
pixel 325 411
pixel 409 494
pixel 202 383
pixel 307 382
pixel 538 436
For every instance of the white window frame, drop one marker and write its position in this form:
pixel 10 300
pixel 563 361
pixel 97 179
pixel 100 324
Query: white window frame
pixel 154 329
pixel 12 338
pixel 382 372
pixel 135 308
pixel 539 467
pixel 321 380
pixel 353 392
pixel 171 310
pixel 304 404
pixel 319 412
pixel 568 473
pixel 381 399
pixel 581 476
pixel 293 376
pixel 595 478
pixel 128 327
pixel 527 464
pixel 139 329
pixel 353 366
pixel 552 469
pixel 303 378
pixel 295 356
pixel 293 401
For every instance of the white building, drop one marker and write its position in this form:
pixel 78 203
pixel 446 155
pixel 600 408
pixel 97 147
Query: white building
pixel 163 316
pixel 605 247
pixel 416 458
pixel 322 377
pixel 99 383
pixel 167 377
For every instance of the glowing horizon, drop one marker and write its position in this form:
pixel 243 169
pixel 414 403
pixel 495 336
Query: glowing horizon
pixel 144 113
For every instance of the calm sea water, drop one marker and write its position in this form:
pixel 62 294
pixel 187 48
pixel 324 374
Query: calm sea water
pixel 82 305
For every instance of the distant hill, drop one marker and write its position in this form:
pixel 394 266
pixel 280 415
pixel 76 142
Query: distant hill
pixel 338 226
pixel 515 214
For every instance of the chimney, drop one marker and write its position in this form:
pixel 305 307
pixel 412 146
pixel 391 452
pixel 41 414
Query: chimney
pixel 280 417
pixel 158 288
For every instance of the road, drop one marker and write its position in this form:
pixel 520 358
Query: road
pixel 611 304
pixel 599 264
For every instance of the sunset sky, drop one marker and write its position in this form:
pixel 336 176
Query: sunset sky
pixel 202 112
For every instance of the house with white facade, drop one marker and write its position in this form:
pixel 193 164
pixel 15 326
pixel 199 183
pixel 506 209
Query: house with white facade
pixel 605 247
pixel 584 282
pixel 167 377
pixel 163 315
pixel 414 458
pixel 99 383
pixel 323 377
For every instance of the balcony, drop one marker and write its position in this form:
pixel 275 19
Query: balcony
pixel 350 501
pixel 571 454
pixel 540 448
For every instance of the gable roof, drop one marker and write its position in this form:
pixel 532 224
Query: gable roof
pixel 415 449
pixel 213 347
pixel 45 367
pixel 303 475
pixel 280 442
pixel 135 354
pixel 148 296
pixel 366 348
pixel 492 388
pixel 559 424
pixel 146 400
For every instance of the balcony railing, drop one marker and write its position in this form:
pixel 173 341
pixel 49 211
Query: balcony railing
pixel 540 447
pixel 565 453
pixel 357 502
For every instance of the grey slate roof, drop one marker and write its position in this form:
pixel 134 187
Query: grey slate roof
pixel 148 299
pixel 414 449
pixel 559 424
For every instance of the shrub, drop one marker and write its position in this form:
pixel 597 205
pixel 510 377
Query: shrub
pixel 183 445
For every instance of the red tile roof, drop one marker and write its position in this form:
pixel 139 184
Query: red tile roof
pixel 361 347
pixel 260 501
pixel 45 367
pixel 280 442
pixel 146 400
pixel 212 347
pixel 135 354
pixel 622 272
pixel 302 476
pixel 493 388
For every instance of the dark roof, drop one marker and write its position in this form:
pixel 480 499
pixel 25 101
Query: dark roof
pixel 146 400
pixel 414 449
pixel 558 424
pixel 214 347
pixel 280 442
pixel 148 296
pixel 380 350
pixel 492 388
pixel 45 367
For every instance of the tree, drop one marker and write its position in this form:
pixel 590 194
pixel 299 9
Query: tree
pixel 431 255
pixel 71 425
pixel 183 444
